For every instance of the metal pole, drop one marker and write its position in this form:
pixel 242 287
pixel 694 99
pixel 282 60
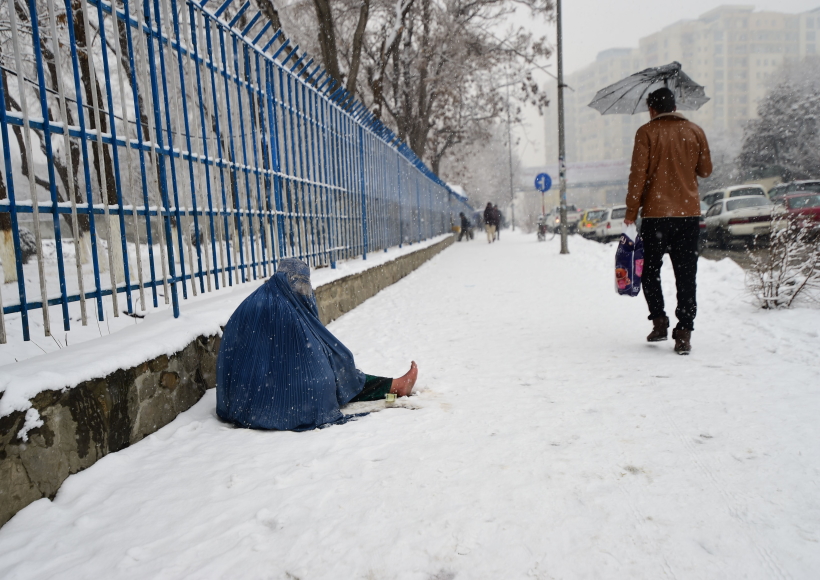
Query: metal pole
pixel 562 163
pixel 509 142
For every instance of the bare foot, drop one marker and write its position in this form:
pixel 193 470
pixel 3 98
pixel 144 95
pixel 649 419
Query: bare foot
pixel 403 386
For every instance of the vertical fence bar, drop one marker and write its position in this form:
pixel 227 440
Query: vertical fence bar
pixel 15 228
pixel 117 237
pixel 364 193
pixel 52 181
pixel 71 191
pixel 163 177
pixel 21 88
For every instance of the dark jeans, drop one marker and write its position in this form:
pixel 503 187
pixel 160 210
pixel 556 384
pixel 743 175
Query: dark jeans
pixel 679 238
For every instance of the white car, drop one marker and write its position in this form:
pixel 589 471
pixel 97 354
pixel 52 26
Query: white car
pixel 738 218
pixel 711 197
pixel 611 225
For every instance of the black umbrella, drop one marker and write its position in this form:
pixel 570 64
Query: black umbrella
pixel 628 96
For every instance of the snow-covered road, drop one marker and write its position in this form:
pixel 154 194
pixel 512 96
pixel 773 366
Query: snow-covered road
pixel 547 440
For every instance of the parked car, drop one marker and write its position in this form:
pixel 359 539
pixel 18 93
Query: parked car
pixel 709 198
pixel 589 220
pixel 612 224
pixel 573 217
pixel 802 209
pixel 702 237
pixel 782 189
pixel 733 218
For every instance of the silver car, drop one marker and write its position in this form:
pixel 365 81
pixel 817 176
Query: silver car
pixel 734 218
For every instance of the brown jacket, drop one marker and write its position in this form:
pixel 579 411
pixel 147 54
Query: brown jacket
pixel 670 154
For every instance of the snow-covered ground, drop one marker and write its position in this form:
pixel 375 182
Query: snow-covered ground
pixel 547 440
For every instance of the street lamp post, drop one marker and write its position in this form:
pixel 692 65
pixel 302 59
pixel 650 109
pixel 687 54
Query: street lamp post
pixel 562 163
pixel 509 142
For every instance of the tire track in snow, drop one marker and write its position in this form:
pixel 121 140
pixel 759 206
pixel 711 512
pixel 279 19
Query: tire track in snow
pixel 768 560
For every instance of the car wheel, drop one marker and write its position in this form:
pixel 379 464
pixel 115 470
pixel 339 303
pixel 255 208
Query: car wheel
pixel 722 240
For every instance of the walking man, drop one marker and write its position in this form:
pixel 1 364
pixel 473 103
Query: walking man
pixel 670 154
pixel 466 226
pixel 490 222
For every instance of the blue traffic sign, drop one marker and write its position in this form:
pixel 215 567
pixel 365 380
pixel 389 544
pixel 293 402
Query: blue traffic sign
pixel 543 182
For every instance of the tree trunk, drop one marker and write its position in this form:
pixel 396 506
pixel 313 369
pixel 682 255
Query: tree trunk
pixel 358 41
pixel 327 38
pixel 109 188
pixel 389 47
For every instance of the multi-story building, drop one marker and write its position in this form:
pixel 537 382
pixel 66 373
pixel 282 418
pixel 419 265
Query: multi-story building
pixel 732 50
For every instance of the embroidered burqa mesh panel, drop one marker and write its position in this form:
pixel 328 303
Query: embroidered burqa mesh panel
pixel 278 366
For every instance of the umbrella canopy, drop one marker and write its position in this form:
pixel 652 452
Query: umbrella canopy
pixel 628 96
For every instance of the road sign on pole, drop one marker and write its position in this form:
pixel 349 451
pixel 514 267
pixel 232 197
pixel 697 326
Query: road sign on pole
pixel 543 182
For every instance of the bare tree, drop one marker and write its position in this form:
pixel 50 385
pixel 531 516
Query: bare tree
pixel 432 70
pixel 785 138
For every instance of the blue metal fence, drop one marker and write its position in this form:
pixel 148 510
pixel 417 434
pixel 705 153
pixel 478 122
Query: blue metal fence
pixel 165 149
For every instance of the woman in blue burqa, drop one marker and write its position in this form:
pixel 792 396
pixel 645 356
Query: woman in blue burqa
pixel 280 368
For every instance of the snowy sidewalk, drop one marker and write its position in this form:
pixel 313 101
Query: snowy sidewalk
pixel 548 440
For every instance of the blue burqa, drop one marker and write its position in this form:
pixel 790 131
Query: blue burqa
pixel 278 366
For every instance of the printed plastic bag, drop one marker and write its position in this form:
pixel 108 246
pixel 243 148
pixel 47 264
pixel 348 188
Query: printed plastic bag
pixel 629 262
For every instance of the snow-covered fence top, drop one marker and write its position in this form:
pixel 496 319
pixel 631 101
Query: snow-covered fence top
pixel 176 148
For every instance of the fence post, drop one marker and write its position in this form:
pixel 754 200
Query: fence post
pixel 15 229
pixel 364 197
pixel 398 197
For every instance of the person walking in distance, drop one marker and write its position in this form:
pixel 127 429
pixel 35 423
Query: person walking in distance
pixel 490 223
pixel 670 154
pixel 466 228
pixel 499 219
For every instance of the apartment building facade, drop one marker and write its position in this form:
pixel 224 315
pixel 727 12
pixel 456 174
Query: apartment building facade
pixel 733 50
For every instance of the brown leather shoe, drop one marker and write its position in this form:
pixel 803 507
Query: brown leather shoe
pixel 682 340
pixel 660 329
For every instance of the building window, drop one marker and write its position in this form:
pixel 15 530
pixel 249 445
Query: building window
pixel 718 49
pixel 810 36
pixel 810 49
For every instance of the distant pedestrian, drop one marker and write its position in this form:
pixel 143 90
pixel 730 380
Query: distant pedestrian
pixel 499 219
pixel 466 228
pixel 670 154
pixel 490 223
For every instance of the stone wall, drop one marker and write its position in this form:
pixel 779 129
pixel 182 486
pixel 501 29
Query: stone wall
pixel 100 416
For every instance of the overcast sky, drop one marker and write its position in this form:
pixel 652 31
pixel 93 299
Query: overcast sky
pixel 591 26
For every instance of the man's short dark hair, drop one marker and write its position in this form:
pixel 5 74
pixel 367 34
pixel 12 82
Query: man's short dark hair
pixel 661 100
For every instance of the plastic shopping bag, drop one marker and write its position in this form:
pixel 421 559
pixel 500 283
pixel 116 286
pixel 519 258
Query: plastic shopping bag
pixel 629 262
